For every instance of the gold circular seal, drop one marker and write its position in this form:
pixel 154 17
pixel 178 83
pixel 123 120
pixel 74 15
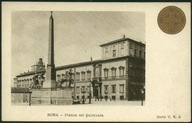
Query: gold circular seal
pixel 171 20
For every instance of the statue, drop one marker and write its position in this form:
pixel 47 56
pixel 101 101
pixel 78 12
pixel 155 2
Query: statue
pixel 41 80
pixel 66 80
pixel 35 81
pixel 38 80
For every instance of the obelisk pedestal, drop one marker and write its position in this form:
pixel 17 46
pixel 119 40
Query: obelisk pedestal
pixel 50 81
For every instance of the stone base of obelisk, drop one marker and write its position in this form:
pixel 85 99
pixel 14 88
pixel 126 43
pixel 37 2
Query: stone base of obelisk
pixel 49 84
pixel 52 96
pixel 48 92
pixel 57 96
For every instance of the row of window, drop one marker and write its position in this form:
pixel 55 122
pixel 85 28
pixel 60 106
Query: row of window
pixel 76 76
pixel 25 80
pixel 23 85
pixel 114 51
pixel 113 72
pixel 82 89
pixel 139 54
pixel 87 75
pixel 122 45
pixel 113 88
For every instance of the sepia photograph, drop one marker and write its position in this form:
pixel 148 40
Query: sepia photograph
pixel 74 58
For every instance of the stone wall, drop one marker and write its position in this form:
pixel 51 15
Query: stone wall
pixel 56 96
pixel 20 98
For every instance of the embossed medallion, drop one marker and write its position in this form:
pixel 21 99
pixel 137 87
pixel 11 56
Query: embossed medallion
pixel 171 20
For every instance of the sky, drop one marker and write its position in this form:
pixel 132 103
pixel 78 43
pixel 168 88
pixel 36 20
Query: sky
pixel 77 35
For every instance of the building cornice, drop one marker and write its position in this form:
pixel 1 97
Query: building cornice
pixel 121 40
pixel 30 73
pixel 77 64
pixel 95 61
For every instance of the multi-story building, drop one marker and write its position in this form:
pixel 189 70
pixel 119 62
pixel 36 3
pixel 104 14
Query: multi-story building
pixel 120 74
pixel 26 79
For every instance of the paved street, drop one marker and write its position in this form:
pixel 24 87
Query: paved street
pixel 117 102
pixel 93 102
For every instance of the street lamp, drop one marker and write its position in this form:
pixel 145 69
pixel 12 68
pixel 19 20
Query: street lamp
pixel 90 93
pixel 142 95
pixel 30 96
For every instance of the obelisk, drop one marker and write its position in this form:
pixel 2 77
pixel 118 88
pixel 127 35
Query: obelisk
pixel 50 77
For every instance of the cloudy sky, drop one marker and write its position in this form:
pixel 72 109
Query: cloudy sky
pixel 77 35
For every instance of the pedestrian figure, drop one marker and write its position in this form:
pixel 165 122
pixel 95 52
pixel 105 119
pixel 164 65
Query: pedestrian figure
pixel 110 98
pixel 105 98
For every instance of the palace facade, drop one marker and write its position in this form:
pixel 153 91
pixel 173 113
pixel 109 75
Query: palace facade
pixel 118 75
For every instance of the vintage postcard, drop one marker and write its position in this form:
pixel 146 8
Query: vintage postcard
pixel 96 61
